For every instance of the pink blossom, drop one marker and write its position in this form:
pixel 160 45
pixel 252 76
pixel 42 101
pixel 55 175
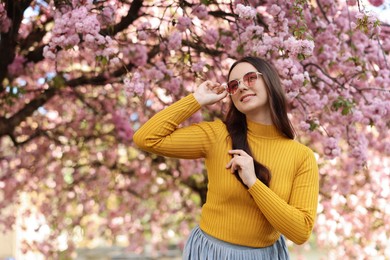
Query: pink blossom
pixel 139 88
pixel 48 53
pixel 359 15
pixel 298 78
pixel 376 2
pixel 126 81
pixel 154 74
pixel 17 66
pixel 89 24
pixel 89 38
pixel 100 39
pixel 71 40
pixel 245 12
pixel 307 47
pixel 225 41
pixel 115 60
pixel 139 55
pixel 173 85
pixel 174 41
pixel 163 67
pixel 199 66
pixel 210 36
pixel 134 86
pixel 252 32
pixel 107 15
pixel 303 125
pixel 200 11
pixel 296 47
pixel 274 10
pixel 142 35
pixel 183 23
pixel 331 148
pixel 111 51
pixel 122 125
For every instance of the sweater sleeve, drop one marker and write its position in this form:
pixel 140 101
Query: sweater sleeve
pixel 162 135
pixel 295 218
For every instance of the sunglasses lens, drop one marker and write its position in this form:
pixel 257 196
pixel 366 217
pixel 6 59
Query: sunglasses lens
pixel 232 86
pixel 250 79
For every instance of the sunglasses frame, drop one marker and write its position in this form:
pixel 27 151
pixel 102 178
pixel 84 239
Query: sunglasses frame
pixel 225 85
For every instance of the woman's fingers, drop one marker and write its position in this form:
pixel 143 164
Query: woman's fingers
pixel 209 93
pixel 232 165
pixel 218 88
pixel 238 152
pixel 242 162
pixel 239 160
pixel 215 88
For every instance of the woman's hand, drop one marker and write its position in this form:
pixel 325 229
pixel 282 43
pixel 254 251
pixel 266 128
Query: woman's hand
pixel 243 163
pixel 209 93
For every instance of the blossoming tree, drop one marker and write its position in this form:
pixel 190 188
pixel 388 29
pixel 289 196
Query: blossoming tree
pixel 78 77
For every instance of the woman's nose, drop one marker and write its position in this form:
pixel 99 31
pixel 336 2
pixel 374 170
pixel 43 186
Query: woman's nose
pixel 242 86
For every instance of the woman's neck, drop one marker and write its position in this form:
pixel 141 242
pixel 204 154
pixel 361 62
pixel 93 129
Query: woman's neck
pixel 261 117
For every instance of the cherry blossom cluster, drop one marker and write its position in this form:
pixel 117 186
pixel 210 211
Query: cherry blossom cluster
pixel 124 130
pixel 134 86
pixel 245 12
pixel 78 25
pixel 16 68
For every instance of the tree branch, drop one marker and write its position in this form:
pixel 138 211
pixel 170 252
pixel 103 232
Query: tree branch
pixel 131 16
pixel 322 11
pixel 7 125
pixel 8 41
pixel 200 48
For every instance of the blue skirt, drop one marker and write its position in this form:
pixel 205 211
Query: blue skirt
pixel 201 246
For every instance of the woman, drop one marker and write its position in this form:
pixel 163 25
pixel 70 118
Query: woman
pixel 263 185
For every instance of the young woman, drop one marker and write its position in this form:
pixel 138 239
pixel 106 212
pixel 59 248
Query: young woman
pixel 263 185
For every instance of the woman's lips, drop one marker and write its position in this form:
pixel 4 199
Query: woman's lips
pixel 245 97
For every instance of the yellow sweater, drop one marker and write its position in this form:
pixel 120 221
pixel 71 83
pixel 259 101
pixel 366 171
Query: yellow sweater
pixel 252 217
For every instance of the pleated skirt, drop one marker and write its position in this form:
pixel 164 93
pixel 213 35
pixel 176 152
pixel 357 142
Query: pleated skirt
pixel 201 246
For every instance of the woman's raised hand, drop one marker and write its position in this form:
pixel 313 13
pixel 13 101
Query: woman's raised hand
pixel 209 93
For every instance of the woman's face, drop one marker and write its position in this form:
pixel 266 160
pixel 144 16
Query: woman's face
pixel 251 100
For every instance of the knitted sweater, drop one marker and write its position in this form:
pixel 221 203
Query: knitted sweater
pixel 253 217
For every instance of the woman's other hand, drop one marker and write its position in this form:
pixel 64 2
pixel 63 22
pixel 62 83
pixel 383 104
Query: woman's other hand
pixel 243 163
pixel 209 93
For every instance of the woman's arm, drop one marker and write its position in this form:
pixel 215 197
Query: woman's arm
pixel 162 135
pixel 294 219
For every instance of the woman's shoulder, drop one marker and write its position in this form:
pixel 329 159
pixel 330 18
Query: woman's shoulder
pixel 300 148
pixel 216 123
pixel 216 128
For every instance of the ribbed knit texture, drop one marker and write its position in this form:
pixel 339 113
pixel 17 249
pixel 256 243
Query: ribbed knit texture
pixel 251 217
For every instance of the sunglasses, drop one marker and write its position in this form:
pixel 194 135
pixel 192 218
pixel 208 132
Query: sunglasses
pixel 248 79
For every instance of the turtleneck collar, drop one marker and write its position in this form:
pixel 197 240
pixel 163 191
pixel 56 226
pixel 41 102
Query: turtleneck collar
pixel 261 130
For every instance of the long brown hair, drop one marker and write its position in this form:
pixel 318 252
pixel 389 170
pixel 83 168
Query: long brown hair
pixel 235 121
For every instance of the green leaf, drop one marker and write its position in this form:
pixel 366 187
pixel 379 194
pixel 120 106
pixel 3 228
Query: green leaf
pixel 301 56
pixel 313 125
pixel 206 2
pixel 345 105
pixel 58 81
pixel 305 82
pixel 240 49
pixel 186 58
pixel 102 59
